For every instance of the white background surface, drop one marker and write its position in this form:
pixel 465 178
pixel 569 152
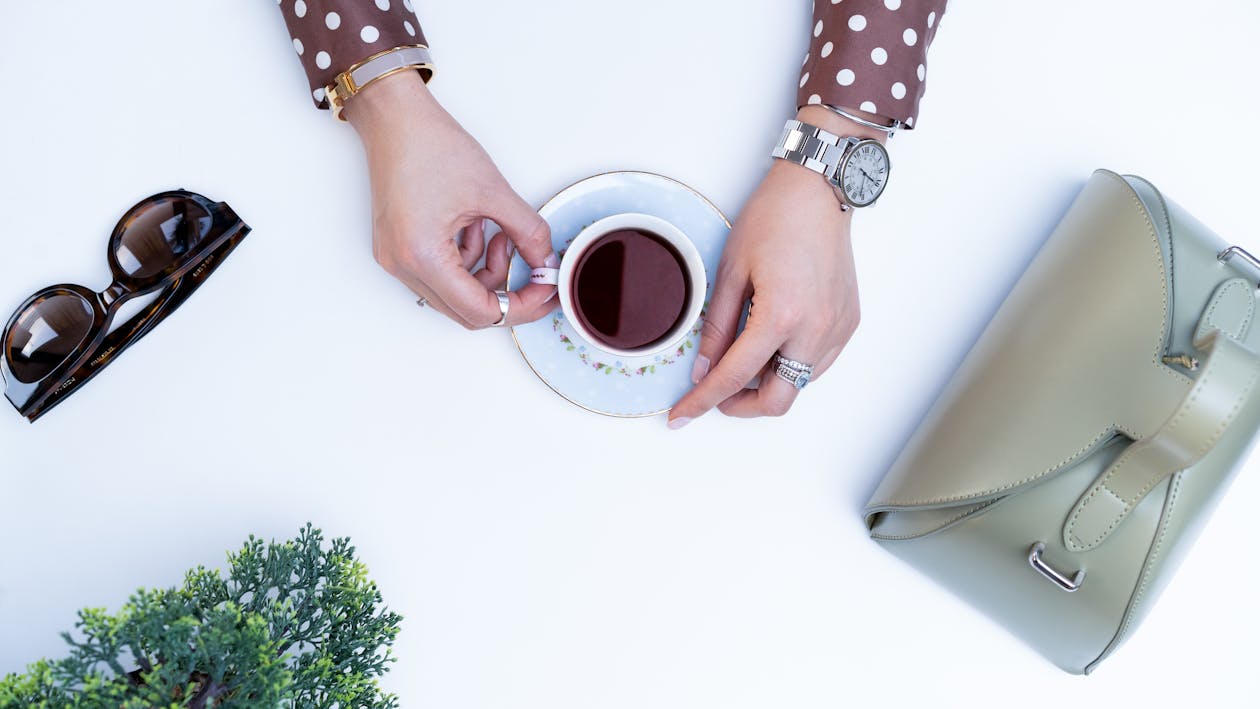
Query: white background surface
pixel 544 556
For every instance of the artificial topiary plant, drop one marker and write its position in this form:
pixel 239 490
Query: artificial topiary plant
pixel 295 624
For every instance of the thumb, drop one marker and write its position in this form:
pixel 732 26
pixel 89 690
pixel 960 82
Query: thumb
pixel 524 226
pixel 721 322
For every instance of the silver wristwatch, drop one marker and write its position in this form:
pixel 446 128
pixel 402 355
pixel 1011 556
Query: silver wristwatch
pixel 856 167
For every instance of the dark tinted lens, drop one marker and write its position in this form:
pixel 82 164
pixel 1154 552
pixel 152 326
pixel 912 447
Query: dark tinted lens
pixel 160 235
pixel 46 333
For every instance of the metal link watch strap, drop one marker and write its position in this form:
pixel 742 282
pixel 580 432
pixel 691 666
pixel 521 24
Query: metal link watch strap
pixel 814 148
pixel 377 66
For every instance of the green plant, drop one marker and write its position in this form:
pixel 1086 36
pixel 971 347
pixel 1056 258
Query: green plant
pixel 294 624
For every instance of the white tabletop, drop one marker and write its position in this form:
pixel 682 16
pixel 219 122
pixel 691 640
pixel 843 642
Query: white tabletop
pixel 544 556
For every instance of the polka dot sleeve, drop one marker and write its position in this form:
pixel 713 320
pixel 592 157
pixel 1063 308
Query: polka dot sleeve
pixel 870 55
pixel 330 36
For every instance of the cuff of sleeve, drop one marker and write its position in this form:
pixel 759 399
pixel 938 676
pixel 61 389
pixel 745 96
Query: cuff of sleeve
pixel 871 57
pixel 330 36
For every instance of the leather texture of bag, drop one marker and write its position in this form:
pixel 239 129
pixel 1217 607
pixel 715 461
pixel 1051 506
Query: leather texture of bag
pixel 1072 459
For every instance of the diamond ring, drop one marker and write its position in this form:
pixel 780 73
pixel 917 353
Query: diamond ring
pixel 795 373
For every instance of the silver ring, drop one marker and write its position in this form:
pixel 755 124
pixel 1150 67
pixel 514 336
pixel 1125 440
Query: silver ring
pixel 504 303
pixel 795 373
pixel 423 302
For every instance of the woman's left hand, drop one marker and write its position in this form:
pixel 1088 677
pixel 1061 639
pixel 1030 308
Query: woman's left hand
pixel 790 254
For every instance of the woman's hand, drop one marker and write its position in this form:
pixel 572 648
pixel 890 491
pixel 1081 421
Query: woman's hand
pixel 790 254
pixel 433 187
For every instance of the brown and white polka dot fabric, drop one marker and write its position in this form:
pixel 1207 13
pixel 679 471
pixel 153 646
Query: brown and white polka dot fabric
pixel 330 36
pixel 865 54
pixel 870 55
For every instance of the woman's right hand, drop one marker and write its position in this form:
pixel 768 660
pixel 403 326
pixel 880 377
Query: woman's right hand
pixel 433 188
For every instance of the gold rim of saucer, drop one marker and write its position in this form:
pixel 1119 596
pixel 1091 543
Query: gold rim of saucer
pixel 512 262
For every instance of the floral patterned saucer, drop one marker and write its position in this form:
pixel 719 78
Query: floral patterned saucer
pixel 574 368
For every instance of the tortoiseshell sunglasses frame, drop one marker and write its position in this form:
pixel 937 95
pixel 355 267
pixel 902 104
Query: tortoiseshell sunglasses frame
pixel 100 347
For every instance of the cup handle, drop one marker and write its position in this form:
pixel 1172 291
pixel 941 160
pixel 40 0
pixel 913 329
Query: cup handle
pixel 545 276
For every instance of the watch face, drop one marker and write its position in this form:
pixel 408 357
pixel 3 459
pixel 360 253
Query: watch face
pixel 864 173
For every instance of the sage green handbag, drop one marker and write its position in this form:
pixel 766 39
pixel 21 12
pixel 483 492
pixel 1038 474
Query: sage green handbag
pixel 1068 464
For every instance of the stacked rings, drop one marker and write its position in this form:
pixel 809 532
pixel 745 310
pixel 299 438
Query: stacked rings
pixel 789 370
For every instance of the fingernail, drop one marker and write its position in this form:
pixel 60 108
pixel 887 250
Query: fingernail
pixel 699 369
pixel 675 424
pixel 553 261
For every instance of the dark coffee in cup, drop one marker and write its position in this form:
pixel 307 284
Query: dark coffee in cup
pixel 631 285
pixel 630 288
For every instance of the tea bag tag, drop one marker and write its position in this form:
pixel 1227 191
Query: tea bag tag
pixel 545 276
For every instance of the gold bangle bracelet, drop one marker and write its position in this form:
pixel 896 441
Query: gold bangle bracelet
pixel 378 66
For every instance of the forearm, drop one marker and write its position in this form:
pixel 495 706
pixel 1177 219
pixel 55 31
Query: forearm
pixel 835 123
pixel 377 111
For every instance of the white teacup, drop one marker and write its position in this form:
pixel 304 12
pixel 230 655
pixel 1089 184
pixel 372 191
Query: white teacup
pixel 693 272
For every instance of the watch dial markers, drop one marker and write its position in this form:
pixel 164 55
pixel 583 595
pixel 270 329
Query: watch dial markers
pixel 865 173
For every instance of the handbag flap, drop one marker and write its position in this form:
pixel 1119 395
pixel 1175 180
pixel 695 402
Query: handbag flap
pixel 1072 357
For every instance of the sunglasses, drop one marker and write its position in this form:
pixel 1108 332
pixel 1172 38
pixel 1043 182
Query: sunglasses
pixel 61 337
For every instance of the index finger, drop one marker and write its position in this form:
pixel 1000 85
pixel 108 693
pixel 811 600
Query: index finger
pixel 477 304
pixel 743 361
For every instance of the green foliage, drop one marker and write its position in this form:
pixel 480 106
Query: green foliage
pixel 294 624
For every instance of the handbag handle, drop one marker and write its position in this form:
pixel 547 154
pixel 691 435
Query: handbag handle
pixel 1223 386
